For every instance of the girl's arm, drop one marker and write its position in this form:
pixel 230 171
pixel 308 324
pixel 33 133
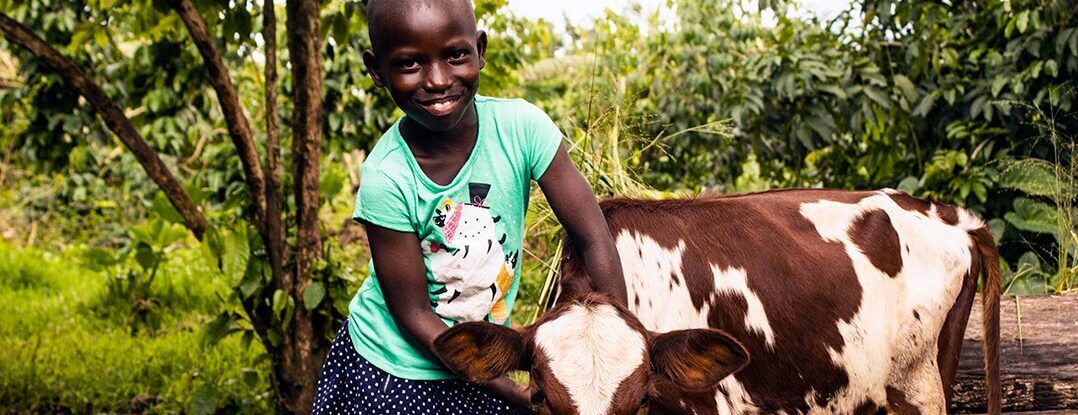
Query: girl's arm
pixel 574 204
pixel 398 263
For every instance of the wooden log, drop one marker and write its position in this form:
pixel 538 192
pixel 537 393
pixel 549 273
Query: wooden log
pixel 1038 357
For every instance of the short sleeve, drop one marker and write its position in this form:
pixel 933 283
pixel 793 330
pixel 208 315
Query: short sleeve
pixel 542 139
pixel 382 202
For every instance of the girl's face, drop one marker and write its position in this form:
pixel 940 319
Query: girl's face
pixel 429 58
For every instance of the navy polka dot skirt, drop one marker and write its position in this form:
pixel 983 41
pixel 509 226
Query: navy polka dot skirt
pixel 350 385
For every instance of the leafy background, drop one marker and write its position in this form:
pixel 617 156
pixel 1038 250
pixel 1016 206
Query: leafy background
pixel 120 310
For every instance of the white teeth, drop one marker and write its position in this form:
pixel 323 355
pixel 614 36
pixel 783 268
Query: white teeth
pixel 441 105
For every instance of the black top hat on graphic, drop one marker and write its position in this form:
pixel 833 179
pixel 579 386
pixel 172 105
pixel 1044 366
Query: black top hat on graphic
pixel 478 193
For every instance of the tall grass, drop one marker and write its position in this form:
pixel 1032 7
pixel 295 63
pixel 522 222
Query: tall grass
pixel 609 156
pixel 1050 187
pixel 65 347
pixel 1062 190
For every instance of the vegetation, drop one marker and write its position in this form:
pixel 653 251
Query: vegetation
pixel 72 346
pixel 212 291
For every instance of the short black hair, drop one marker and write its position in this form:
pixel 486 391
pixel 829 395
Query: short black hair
pixel 379 11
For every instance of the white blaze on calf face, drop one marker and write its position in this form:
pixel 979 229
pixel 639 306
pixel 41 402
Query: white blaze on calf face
pixel 591 350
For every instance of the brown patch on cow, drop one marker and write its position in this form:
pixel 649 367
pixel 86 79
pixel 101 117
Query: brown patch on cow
pixel 916 315
pixel 876 238
pixel 682 401
pixel 897 403
pixel 632 391
pixel 554 398
pixel 910 203
pixel 737 232
pixel 947 213
pixel 868 407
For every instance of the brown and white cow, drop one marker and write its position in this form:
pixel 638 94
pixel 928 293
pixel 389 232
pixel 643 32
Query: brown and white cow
pixel 848 302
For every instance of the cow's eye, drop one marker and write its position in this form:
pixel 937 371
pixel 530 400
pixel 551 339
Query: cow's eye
pixel 538 398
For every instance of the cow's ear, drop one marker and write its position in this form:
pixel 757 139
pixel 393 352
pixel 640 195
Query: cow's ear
pixel 697 359
pixel 480 352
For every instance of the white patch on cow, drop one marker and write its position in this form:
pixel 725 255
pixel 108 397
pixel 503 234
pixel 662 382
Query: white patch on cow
pixel 935 258
pixel 655 275
pixel 591 351
pixel 968 221
pixel 736 400
pixel 735 281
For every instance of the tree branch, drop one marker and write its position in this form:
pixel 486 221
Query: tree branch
pixel 274 225
pixel 238 127
pixel 114 118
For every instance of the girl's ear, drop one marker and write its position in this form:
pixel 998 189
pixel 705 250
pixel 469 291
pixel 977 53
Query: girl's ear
pixel 481 47
pixel 371 63
pixel 480 352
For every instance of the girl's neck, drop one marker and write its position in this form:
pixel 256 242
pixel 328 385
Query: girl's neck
pixel 458 139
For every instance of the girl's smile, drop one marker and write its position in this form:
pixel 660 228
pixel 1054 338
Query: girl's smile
pixel 442 107
pixel 429 59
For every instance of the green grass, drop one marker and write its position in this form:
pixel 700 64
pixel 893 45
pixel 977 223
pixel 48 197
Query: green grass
pixel 66 346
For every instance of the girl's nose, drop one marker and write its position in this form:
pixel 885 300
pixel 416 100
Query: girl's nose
pixel 438 78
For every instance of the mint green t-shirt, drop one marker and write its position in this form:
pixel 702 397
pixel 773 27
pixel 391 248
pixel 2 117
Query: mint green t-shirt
pixel 470 231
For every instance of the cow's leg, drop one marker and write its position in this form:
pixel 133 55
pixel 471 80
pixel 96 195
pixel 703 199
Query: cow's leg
pixel 954 329
pixel 921 393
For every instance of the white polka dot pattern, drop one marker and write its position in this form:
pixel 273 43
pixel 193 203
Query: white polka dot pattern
pixel 350 385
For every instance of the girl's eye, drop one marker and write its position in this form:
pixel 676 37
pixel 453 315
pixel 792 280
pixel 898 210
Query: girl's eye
pixel 408 65
pixel 458 55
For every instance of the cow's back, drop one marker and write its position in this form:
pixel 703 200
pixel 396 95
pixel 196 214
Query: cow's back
pixel 837 295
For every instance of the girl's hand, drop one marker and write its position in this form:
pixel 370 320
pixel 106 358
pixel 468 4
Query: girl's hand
pixel 513 394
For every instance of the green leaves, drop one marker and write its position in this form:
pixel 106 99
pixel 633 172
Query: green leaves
pixel 204 400
pixel 283 305
pixel 220 327
pixel 158 234
pixel 1035 178
pixel 313 295
pixel 1033 216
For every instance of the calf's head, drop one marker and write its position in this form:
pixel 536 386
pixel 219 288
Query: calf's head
pixel 591 357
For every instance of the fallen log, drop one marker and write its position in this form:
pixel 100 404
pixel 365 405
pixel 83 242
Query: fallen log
pixel 1038 356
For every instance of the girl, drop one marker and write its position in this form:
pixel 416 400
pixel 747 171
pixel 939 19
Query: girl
pixel 443 196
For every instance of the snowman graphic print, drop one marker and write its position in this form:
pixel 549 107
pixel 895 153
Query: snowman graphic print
pixel 471 268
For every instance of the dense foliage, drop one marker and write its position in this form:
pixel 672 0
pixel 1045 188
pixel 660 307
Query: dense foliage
pixel 969 103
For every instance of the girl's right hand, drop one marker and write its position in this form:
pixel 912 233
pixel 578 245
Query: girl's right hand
pixel 515 395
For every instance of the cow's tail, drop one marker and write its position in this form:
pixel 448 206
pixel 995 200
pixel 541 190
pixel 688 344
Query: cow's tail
pixel 991 281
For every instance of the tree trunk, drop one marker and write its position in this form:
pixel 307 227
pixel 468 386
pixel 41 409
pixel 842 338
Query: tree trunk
pixel 114 118
pixel 304 347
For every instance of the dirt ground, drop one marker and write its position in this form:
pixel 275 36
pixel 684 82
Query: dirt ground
pixel 1038 356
